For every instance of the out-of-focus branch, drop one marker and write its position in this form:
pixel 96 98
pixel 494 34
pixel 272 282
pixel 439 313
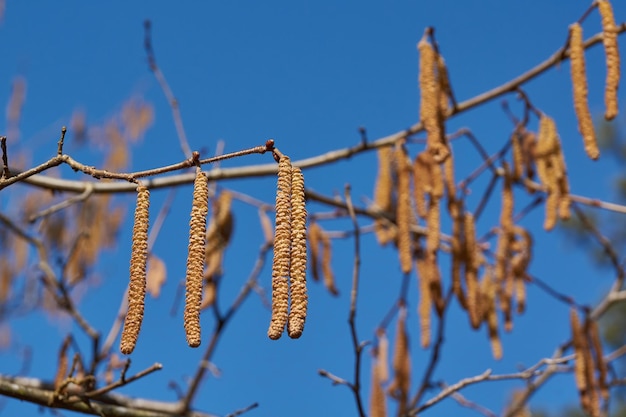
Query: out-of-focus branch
pixel 169 94
pixel 110 405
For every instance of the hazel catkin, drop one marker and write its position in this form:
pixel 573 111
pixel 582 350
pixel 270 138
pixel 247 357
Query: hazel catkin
pixel 196 258
pixel 609 39
pixel 383 193
pixel 404 212
pixel 298 293
pixel 579 82
pixel 282 251
pixel 137 284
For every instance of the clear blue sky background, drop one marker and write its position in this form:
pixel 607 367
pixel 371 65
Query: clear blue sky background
pixel 307 74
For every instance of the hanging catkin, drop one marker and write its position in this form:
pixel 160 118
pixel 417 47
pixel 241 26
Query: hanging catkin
pixel 399 387
pixel 579 82
pixel 609 38
pixel 327 271
pixel 282 251
pixel 425 300
pixel 579 362
pixel 137 284
pixel 421 182
pixel 378 400
pixel 404 212
pixel 471 270
pixel 598 356
pixel 299 299
pixel 383 192
pixel 548 158
pixel 196 258
pixel 382 355
pixel 488 299
pixel 429 102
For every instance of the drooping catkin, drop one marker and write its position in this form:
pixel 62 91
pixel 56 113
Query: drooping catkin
pixel 579 82
pixel 594 336
pixel 433 226
pixel 579 361
pixel 429 93
pixel 421 182
pixel 611 50
pixel 218 235
pixel 457 252
pixel 443 81
pixel 594 398
pixel 282 251
pixel 196 258
pixel 382 355
pixel 551 168
pixel 137 284
pixel 450 185
pixel 327 271
pixel 62 366
pixel 471 270
pixel 314 237
pixel 383 193
pixel 378 400
pixel 425 300
pixel 488 299
pixel 517 153
pixel 297 272
pixel 399 387
pixel 404 212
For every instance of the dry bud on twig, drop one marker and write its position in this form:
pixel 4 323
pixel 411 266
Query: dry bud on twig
pixel 137 284
pixel 196 258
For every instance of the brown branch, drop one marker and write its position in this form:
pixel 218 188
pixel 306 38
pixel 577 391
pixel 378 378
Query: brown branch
pixel 110 405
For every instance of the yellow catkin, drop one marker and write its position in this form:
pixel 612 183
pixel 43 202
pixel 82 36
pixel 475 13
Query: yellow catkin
pixel 611 50
pixel 594 398
pixel 378 400
pixel 404 212
pixel 383 193
pixel 433 226
pixel 457 253
pixel 436 291
pixel 137 284
pixel 425 300
pixel 551 168
pixel 517 153
pixel 594 337
pixel 218 235
pixel 488 299
pixel 196 258
pixel 314 237
pixel 327 271
pixel 421 182
pixel 399 388
pixel 429 93
pixel 579 362
pixel 444 85
pixel 282 251
pixel 471 270
pixel 450 185
pixel 298 292
pixel 579 82
pixel 382 355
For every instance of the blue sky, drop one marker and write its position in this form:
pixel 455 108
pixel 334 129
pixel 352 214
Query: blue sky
pixel 307 74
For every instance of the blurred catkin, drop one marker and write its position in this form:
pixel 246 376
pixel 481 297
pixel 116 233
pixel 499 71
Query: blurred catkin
pixel 611 50
pixel 404 212
pixel 137 284
pixel 299 300
pixel 282 251
pixel 383 193
pixel 579 82
pixel 196 258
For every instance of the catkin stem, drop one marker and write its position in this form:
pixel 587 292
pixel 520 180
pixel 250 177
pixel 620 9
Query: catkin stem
pixel 137 285
pixel 196 258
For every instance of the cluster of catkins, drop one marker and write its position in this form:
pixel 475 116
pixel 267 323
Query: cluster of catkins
pixel 205 255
